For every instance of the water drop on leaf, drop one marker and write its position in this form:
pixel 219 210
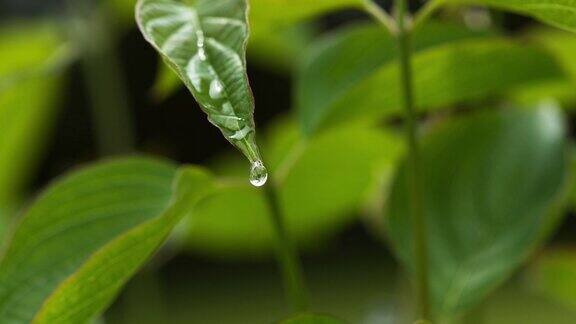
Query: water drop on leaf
pixel 258 174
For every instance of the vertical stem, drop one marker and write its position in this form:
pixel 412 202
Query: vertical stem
pixel 287 254
pixel 415 177
pixel 102 70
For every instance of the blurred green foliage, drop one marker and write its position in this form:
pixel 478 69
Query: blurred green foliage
pixel 495 179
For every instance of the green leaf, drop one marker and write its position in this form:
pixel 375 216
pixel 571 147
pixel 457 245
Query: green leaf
pixel 312 319
pixel 558 13
pixel 29 56
pixel 87 234
pixel 353 76
pixel 322 184
pixel 283 12
pixel 492 186
pixel 205 43
pixel 552 275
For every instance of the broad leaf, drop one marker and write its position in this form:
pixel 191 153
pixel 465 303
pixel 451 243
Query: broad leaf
pixel 312 319
pixel 87 234
pixel 29 55
pixel 204 42
pixel 322 184
pixel 352 75
pixel 492 186
pixel 559 13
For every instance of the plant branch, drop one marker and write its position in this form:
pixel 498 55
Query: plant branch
pixel 287 254
pixel 415 176
pixel 426 12
pixel 380 15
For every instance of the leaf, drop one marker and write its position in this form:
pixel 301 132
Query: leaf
pixel 558 13
pixel 552 275
pixel 29 56
pixel 353 77
pixel 312 319
pixel 322 184
pixel 492 186
pixel 205 43
pixel 283 12
pixel 62 263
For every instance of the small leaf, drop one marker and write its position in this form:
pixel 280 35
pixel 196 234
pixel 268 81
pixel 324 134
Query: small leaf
pixel 312 319
pixel 205 42
pixel 322 184
pixel 353 75
pixel 492 186
pixel 62 263
pixel 558 13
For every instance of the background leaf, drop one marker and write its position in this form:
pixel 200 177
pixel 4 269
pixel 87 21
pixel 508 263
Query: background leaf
pixel 558 13
pixel 487 207
pixel 29 55
pixel 205 43
pixel 322 184
pixel 552 275
pixel 62 252
pixel 445 75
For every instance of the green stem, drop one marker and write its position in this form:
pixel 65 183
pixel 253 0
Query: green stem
pixel 106 86
pixel 287 254
pixel 415 176
pixel 426 12
pixel 380 15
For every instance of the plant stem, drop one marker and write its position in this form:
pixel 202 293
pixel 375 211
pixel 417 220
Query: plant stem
pixel 424 14
pixel 380 15
pixel 287 254
pixel 415 176
pixel 106 87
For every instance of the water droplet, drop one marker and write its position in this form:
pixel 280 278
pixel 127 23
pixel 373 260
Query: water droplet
pixel 216 90
pixel 258 174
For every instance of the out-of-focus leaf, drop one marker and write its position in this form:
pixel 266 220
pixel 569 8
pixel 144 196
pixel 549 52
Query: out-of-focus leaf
pixel 561 91
pixel 123 10
pixel 29 90
pixel 558 13
pixel 322 183
pixel 333 66
pixel 282 12
pixel 312 319
pixel 354 70
pixel 561 45
pixel 278 49
pixel 492 187
pixel 205 43
pixel 514 305
pixel 166 84
pixel 553 275
pixel 87 234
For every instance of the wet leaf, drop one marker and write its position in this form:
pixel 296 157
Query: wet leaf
pixel 205 42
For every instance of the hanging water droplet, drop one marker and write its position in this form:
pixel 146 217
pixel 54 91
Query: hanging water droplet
pixel 258 174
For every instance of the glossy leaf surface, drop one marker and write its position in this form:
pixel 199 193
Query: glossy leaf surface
pixel 205 42
pixel 492 184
